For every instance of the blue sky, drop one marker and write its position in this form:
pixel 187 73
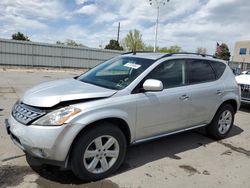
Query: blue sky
pixel 189 24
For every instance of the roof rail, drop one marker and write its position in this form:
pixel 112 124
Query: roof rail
pixel 132 52
pixel 170 54
pixel 188 53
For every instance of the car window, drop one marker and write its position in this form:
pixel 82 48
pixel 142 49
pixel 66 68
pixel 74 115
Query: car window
pixel 172 73
pixel 115 69
pixel 200 71
pixel 116 73
pixel 218 67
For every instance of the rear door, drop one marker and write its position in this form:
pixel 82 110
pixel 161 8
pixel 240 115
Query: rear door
pixel 206 91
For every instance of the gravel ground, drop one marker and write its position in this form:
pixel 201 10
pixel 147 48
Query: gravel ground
pixel 185 160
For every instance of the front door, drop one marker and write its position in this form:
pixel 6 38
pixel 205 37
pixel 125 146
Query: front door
pixel 167 110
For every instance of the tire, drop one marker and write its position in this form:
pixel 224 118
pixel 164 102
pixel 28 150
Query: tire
pixel 222 122
pixel 88 156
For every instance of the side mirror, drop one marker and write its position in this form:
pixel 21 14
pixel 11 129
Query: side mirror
pixel 152 85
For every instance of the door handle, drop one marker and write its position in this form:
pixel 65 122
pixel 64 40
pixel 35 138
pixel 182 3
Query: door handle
pixel 218 92
pixel 184 97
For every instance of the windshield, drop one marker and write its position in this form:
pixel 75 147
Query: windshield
pixel 116 73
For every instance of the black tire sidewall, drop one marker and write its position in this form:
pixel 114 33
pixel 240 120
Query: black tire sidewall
pixel 213 128
pixel 82 143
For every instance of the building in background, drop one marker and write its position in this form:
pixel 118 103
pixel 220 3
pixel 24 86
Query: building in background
pixel 241 57
pixel 242 51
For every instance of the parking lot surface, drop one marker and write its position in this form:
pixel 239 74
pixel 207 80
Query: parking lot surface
pixel 188 159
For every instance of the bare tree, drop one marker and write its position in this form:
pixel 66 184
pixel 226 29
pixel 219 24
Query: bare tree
pixel 201 50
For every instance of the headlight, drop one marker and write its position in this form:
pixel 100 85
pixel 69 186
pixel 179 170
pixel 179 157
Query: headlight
pixel 58 117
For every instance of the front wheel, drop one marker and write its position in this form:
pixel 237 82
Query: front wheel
pixel 98 152
pixel 222 122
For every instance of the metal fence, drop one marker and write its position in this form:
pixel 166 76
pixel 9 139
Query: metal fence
pixel 241 65
pixel 22 53
pixel 238 67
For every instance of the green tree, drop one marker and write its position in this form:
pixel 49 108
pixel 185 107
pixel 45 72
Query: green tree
pixel 59 43
pixel 113 45
pixel 201 50
pixel 162 49
pixel 70 42
pixel 171 49
pixel 20 36
pixel 222 52
pixel 133 41
pixel 149 48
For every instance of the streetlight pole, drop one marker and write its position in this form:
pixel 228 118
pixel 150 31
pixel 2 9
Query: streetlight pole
pixel 156 27
pixel 158 3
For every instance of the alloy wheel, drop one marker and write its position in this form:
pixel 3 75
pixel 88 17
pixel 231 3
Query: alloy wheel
pixel 101 154
pixel 225 122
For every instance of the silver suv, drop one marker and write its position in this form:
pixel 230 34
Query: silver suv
pixel 86 123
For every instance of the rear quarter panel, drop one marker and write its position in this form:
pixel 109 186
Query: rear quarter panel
pixel 231 91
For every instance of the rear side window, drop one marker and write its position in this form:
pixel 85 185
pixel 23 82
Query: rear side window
pixel 200 71
pixel 218 67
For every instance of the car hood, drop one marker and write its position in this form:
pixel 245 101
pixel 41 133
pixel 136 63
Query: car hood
pixel 243 79
pixel 52 93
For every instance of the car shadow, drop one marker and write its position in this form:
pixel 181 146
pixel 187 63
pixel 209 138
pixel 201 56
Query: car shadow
pixel 151 151
pixel 169 147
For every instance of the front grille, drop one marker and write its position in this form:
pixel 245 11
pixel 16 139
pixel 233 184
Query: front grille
pixel 245 91
pixel 26 114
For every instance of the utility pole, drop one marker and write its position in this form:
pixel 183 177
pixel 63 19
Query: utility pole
pixel 118 32
pixel 158 4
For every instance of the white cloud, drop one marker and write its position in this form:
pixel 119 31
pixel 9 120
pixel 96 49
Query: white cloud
pixel 106 17
pixel 189 24
pixel 22 23
pixel 46 9
pixel 80 2
pixel 88 9
pixel 29 15
pixel 222 21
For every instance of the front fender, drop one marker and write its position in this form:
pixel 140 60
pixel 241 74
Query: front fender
pixel 75 126
pixel 99 114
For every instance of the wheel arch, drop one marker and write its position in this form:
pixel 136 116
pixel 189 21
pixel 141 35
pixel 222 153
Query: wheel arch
pixel 122 124
pixel 212 128
pixel 232 102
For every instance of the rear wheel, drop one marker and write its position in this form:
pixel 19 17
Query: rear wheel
pixel 98 153
pixel 222 122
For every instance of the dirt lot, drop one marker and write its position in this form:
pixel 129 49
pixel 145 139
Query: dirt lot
pixel 186 160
